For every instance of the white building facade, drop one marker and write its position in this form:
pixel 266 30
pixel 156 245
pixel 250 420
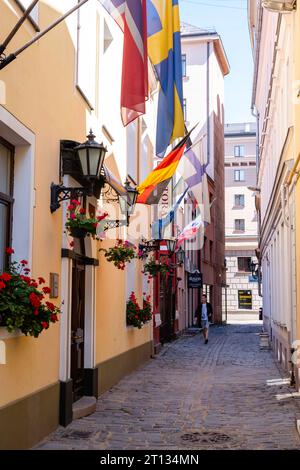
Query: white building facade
pixel 275 92
pixel 243 300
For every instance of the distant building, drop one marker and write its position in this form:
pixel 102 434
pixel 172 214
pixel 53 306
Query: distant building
pixel 241 229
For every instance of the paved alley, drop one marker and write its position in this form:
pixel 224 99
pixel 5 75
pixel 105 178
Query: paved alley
pixel 227 394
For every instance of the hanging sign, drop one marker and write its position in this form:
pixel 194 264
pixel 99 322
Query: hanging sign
pixel 195 280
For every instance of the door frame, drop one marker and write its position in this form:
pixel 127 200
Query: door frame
pixel 90 371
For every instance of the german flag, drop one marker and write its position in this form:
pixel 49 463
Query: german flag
pixel 151 190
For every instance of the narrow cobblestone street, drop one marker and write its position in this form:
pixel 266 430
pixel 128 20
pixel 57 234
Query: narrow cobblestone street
pixel 227 394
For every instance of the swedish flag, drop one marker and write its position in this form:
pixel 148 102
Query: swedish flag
pixel 164 50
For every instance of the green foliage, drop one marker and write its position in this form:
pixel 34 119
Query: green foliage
pixel 22 303
pixel 135 316
pixel 120 254
pixel 77 219
pixel 153 267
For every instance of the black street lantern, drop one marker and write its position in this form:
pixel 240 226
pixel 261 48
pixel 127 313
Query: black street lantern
pixel 128 201
pixel 171 243
pixel 180 255
pixel 91 156
pixel 87 159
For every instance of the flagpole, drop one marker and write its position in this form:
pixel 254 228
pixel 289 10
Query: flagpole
pixel 16 28
pixel 14 55
pixel 196 143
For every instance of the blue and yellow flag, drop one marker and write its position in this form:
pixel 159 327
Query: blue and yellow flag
pixel 164 50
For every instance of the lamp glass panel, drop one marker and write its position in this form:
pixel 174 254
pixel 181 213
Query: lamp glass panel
pixel 130 208
pixel 94 154
pixel 123 205
pixel 82 153
pixel 131 197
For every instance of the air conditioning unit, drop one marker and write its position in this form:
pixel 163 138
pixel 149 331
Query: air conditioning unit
pixel 279 6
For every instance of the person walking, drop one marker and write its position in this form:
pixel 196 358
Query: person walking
pixel 204 313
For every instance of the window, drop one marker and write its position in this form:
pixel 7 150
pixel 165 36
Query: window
pixel 6 200
pixel 184 109
pixel 183 61
pixel 245 299
pixel 239 150
pixel 239 175
pixel 244 264
pixel 239 225
pixel 239 200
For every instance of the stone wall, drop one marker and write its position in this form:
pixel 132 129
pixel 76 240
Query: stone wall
pixel 240 281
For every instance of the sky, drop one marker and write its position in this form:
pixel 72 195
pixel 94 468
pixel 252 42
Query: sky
pixel 229 19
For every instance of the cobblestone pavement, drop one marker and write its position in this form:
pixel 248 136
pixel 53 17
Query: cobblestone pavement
pixel 227 394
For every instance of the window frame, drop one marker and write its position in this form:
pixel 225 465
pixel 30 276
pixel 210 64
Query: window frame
pixel 183 61
pixel 239 147
pixel 184 110
pixel 244 270
pixel 239 230
pixel 239 172
pixel 7 199
pixel 238 204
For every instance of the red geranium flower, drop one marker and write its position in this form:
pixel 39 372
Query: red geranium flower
pixel 26 279
pixel 5 277
pixel 34 300
pixel 41 280
pixel 50 306
pixel 46 290
pixel 9 251
pixel 54 318
pixel 24 262
pixel 45 325
pixel 2 285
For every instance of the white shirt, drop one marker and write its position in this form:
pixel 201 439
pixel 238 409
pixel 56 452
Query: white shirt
pixel 204 312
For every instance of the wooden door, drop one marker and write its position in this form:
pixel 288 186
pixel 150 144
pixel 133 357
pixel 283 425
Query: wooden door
pixel 77 329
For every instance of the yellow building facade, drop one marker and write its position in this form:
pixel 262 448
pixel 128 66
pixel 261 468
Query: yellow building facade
pixel 51 95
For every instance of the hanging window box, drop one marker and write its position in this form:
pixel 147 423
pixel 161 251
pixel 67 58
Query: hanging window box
pixel 78 225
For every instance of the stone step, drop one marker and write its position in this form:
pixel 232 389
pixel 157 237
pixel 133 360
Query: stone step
pixel 84 407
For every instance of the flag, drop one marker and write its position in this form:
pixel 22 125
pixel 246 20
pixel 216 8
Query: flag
pixel 164 49
pixel 159 225
pixel 131 16
pixel 192 167
pixel 154 185
pixel 191 230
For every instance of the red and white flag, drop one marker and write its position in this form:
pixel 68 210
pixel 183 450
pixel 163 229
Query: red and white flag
pixel 131 16
pixel 190 231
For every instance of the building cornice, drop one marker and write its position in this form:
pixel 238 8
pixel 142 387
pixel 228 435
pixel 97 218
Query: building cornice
pixel 218 47
pixel 239 134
